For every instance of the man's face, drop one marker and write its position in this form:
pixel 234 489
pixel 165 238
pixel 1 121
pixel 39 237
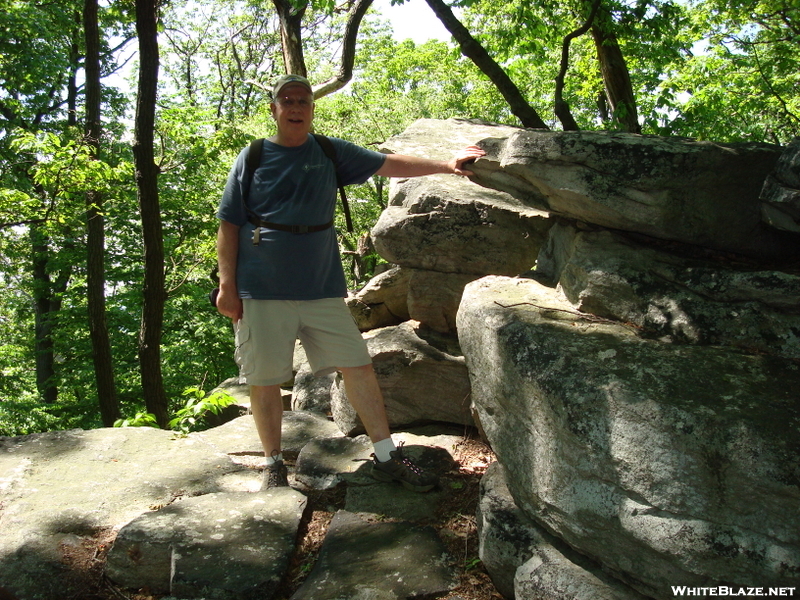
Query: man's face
pixel 293 109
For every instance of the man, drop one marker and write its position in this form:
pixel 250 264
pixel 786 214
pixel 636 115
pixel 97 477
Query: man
pixel 278 285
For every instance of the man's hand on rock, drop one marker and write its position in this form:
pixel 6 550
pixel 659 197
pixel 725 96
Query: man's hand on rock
pixel 467 155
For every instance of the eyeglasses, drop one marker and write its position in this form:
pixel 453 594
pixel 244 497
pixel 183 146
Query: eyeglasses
pixel 286 101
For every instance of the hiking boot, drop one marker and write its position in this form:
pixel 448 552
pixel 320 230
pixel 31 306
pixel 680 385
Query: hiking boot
pixel 275 475
pixel 401 468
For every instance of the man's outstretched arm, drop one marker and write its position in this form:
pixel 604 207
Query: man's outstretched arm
pixel 401 165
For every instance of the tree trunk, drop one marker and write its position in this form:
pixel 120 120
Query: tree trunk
pixel 43 317
pixel 95 267
pixel 616 77
pixel 147 192
pixel 291 36
pixel 473 50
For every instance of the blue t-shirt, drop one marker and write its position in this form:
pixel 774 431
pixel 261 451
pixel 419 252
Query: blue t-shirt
pixel 292 186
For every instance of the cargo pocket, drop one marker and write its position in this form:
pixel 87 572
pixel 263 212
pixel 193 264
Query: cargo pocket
pixel 243 354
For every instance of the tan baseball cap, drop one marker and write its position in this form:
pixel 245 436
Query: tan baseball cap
pixel 282 82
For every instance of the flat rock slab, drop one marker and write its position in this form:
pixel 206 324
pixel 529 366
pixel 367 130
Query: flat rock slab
pixel 63 484
pixel 239 436
pixel 379 561
pixel 386 500
pixel 231 546
pixel 324 463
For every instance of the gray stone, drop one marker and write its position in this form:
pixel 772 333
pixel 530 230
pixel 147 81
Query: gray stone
pixel 700 193
pixel 324 463
pixel 452 226
pixel 312 393
pixel 422 377
pixel 448 224
pixel 433 298
pixel 383 301
pixel 399 503
pixel 507 537
pixel 381 561
pixel 781 193
pixel 80 483
pixel 239 437
pixel 64 484
pixel 526 562
pixel 370 316
pixel 685 300
pixel 664 463
pixel 550 574
pixel 226 546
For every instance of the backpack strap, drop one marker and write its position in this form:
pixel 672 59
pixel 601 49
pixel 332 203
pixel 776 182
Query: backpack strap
pixel 254 158
pixel 330 152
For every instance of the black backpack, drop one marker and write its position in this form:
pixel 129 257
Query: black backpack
pixel 253 159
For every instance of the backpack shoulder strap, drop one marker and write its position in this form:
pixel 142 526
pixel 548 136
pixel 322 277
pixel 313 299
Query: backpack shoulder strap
pixel 253 159
pixel 330 151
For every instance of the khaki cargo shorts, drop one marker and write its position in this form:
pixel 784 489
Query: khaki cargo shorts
pixel 266 334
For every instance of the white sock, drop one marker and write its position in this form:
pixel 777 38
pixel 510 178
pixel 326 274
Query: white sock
pixel 271 460
pixel 383 449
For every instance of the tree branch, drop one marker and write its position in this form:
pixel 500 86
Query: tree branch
pixel 561 107
pixel 356 14
pixel 472 49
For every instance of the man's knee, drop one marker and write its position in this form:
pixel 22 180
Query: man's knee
pixel 265 393
pixel 362 371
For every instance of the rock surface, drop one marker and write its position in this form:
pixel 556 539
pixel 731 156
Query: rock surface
pixel 187 514
pixel 694 301
pixel 422 376
pixel 526 561
pixel 367 560
pixel 699 193
pixel 661 462
pixel 781 193
pixel 229 545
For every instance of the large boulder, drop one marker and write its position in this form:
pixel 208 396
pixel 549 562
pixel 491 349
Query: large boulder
pixel 448 224
pixel 699 193
pixel 445 231
pixel 191 548
pixel 781 193
pixel 422 375
pixel 383 301
pixel 690 300
pixel 664 463
pixel 452 226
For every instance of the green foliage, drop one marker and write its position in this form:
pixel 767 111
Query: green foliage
pixel 710 69
pixel 197 406
pixel 188 418
pixel 140 419
pixel 26 416
pixel 740 82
